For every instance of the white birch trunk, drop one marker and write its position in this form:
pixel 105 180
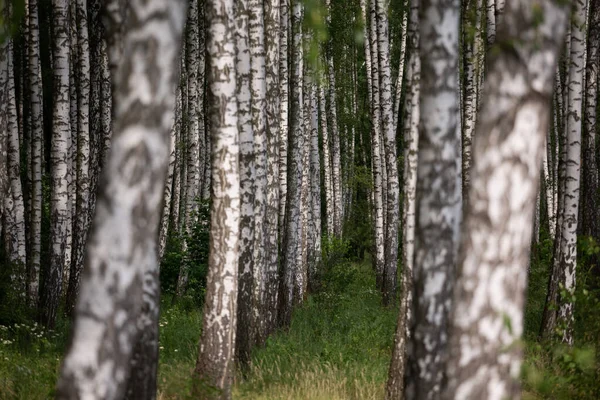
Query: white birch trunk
pixel 258 89
pixel 568 244
pixel 272 24
pixel 326 162
pixel 292 256
pixel 400 78
pixel 59 160
pixel 395 383
pixel 120 281
pixel 389 138
pixel 335 135
pixel 438 200
pixel 247 176
pixel 82 161
pixel 377 167
pixel 591 224
pixel 215 366
pixel 489 295
pixel 284 95
pixel 315 188
pixel 14 205
pixel 37 136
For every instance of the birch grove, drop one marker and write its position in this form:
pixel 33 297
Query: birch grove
pixel 299 199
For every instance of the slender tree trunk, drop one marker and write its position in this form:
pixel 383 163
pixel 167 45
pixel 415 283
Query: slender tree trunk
pixel 82 166
pixel 4 98
pixel 326 162
pixel 214 368
pixel 487 321
pixel 284 93
pixel 377 167
pixel 258 88
pixel 548 187
pixel 315 188
pixel 292 256
pixel 400 78
pixel 169 183
pixel 305 193
pixel 71 146
pixel 61 138
pixel 389 136
pixel 247 177
pixel 14 208
pixel 568 244
pixel 179 118
pixel 37 136
pixel 272 27
pixel 395 383
pixel 491 22
pixel 335 135
pixel 120 281
pixel 192 148
pixel 14 204
pixel 591 196
pixel 549 315
pixel 438 199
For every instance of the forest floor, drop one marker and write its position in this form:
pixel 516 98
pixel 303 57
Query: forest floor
pixel 337 347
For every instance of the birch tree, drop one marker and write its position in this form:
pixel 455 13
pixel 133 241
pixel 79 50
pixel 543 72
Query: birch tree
pixel 395 383
pixel 214 368
pixel 335 134
pixel 272 35
pixel 14 204
pixel 315 189
pixel 170 181
pixel 61 139
pixel 292 254
pixel 37 135
pixel 472 50
pixel 591 225
pixel 326 161
pixel 81 165
pixel 564 266
pixel 487 319
pixel 259 125
pixel 121 263
pixel 389 136
pixel 247 185
pixel 376 159
pixel 4 54
pixel 284 112
pixel 192 182
pixel 438 198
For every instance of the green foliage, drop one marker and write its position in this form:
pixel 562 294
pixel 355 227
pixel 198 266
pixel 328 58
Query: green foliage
pixel 561 372
pixel 359 227
pixel 539 270
pixel 179 333
pixel 315 23
pixel 30 359
pixel 195 258
pixel 551 369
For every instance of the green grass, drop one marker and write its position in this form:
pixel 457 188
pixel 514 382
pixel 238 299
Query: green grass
pixel 337 347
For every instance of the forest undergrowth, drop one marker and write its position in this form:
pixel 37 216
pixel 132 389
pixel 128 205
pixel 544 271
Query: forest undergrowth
pixel 338 346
